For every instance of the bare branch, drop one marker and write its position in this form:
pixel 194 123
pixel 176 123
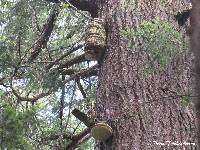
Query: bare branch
pixel 30 99
pixel 73 61
pixel 82 73
pixel 55 136
pixel 77 139
pixel 93 72
pixel 62 98
pixel 85 5
pixel 75 144
pixel 68 71
pixel 73 49
pixel 80 87
pixel 83 117
pixel 44 36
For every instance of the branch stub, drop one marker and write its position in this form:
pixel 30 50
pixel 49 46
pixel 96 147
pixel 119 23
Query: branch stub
pixel 101 131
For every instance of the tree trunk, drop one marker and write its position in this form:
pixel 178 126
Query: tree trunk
pixel 195 46
pixel 141 110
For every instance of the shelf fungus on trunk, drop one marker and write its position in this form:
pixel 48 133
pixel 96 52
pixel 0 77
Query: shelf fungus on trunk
pixel 101 131
pixel 95 40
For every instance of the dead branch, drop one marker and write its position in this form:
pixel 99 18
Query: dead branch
pixel 76 139
pixel 85 5
pixel 62 98
pixel 74 145
pixel 69 72
pixel 30 99
pixel 80 87
pixel 55 136
pixel 82 73
pixel 73 49
pixel 73 61
pixel 83 117
pixel 44 36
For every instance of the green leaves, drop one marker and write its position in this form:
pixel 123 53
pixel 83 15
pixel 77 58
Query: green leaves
pixel 14 125
pixel 22 22
pixel 159 39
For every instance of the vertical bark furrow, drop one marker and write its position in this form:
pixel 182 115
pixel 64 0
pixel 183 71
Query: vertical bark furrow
pixel 145 109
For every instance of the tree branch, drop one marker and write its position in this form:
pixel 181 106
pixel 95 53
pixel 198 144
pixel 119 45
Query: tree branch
pixel 93 72
pixel 73 61
pixel 80 87
pixel 82 73
pixel 75 144
pixel 30 99
pixel 44 36
pixel 62 98
pixel 76 140
pixel 73 49
pixel 83 117
pixel 85 5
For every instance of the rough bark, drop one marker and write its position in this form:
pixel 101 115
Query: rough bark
pixel 140 109
pixel 195 45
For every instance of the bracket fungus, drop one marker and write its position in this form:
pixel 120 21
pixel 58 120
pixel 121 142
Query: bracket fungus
pixel 95 39
pixel 101 131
